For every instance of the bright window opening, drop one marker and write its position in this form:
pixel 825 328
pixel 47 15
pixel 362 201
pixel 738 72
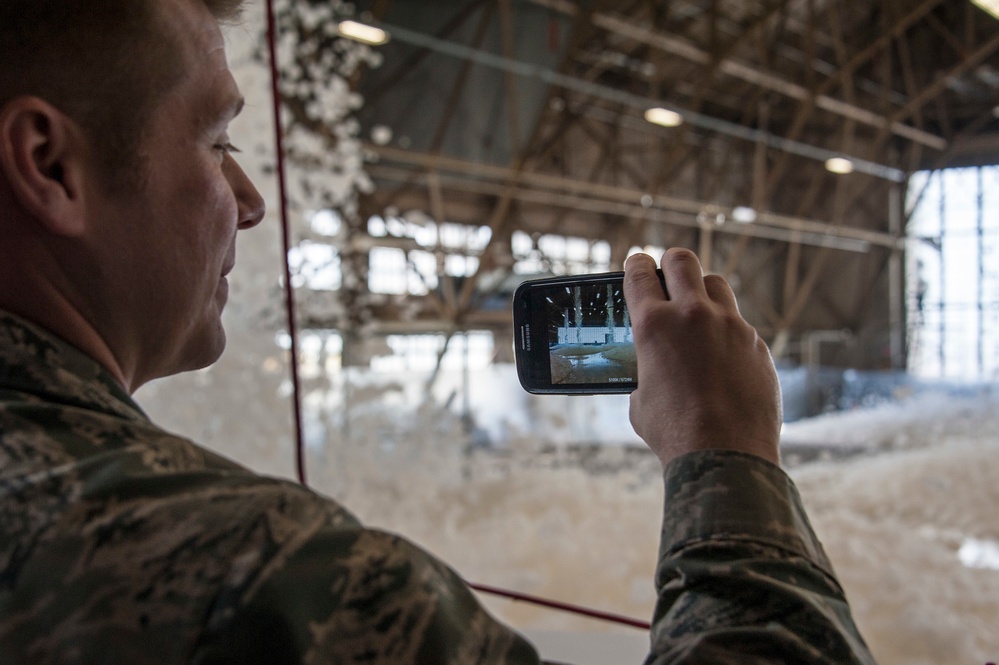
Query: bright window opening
pixel 419 353
pixel 953 274
pixel 558 255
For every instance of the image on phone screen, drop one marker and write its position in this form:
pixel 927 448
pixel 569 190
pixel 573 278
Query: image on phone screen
pixel 573 335
pixel 589 335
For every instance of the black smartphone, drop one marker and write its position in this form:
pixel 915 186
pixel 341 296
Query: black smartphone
pixel 572 335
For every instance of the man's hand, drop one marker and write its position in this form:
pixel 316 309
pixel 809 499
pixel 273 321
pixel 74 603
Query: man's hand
pixel 705 378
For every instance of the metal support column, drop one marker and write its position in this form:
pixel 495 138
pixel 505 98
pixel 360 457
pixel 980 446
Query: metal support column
pixel 942 307
pixel 896 283
pixel 980 227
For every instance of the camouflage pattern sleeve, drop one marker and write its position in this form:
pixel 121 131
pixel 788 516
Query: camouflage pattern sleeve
pixel 742 577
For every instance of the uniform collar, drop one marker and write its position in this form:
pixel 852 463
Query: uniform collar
pixel 38 363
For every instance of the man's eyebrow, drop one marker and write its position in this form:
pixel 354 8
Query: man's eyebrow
pixel 218 113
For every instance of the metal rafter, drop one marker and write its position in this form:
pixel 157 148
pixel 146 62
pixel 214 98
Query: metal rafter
pixel 683 48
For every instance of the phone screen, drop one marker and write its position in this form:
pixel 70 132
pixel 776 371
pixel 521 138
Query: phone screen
pixel 573 335
pixel 589 335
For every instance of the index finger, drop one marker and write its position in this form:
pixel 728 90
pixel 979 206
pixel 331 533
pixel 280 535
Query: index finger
pixel 683 274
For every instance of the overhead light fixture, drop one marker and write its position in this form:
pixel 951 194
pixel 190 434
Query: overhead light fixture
pixel 744 214
pixel 839 165
pixel 361 32
pixel 664 117
pixel 991 6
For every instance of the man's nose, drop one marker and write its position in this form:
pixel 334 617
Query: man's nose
pixel 251 204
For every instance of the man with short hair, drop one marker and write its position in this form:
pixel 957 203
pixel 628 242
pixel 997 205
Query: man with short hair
pixel 120 202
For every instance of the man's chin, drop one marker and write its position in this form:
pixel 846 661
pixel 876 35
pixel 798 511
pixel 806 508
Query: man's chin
pixel 203 351
pixel 193 349
pixel 213 350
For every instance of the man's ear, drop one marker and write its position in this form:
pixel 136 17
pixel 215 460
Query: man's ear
pixel 43 157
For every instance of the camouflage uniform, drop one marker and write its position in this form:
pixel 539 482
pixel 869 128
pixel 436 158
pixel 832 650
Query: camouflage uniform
pixel 122 543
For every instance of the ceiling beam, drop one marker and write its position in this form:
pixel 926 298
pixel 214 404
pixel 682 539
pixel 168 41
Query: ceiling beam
pixel 970 61
pixel 684 49
pixel 466 174
pixel 637 102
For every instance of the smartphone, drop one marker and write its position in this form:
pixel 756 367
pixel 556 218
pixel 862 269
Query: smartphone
pixel 572 335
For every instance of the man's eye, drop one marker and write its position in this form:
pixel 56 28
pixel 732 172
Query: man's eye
pixel 226 147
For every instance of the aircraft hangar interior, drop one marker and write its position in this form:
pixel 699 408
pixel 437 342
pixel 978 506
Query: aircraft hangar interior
pixel 836 161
